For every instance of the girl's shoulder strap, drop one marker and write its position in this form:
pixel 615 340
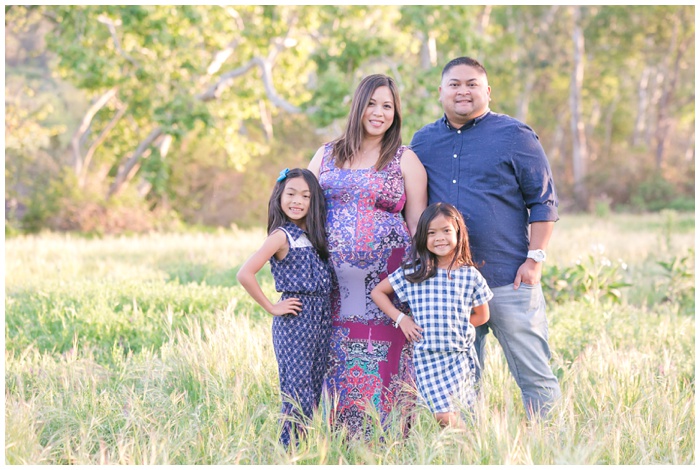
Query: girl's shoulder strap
pixel 283 230
pixel 296 236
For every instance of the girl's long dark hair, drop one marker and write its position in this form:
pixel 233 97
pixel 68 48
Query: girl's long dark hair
pixel 315 218
pixel 348 145
pixel 422 260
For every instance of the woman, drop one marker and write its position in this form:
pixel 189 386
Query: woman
pixel 370 182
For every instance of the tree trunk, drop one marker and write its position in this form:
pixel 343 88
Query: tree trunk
pixel 524 100
pixel 128 169
pixel 79 134
pixel 676 51
pixel 690 152
pixel 578 134
pixel 607 146
pixel 642 106
pixel 428 51
pixel 483 21
pixel 82 176
pixel 163 144
pixel 531 56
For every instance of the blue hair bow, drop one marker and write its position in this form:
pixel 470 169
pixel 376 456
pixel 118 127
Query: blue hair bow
pixel 283 175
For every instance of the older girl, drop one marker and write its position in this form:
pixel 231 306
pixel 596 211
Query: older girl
pixel 298 254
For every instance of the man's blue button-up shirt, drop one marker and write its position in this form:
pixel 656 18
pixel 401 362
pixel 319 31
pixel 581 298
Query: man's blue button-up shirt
pixel 495 171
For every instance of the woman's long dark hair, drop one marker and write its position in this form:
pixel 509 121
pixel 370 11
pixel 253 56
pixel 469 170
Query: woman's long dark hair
pixel 348 145
pixel 422 260
pixel 315 218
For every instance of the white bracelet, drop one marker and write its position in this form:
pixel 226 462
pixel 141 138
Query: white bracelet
pixel 398 319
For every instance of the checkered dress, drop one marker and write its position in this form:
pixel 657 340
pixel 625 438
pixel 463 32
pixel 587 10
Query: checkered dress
pixel 445 360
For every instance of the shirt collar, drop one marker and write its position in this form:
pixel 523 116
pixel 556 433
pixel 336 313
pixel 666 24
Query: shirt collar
pixel 468 124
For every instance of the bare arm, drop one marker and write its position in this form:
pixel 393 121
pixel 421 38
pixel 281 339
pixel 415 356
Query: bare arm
pixel 416 187
pixel 530 272
pixel 315 163
pixel 275 244
pixel 380 294
pixel 480 314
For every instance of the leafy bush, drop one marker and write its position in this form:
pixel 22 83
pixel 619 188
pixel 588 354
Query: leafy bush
pixel 594 279
pixel 678 281
pixel 682 204
pixel 656 193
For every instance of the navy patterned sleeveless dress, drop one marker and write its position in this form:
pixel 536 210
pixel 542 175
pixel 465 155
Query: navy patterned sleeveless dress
pixel 301 342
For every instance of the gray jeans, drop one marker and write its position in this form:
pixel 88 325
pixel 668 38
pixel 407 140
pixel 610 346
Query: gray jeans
pixel 519 322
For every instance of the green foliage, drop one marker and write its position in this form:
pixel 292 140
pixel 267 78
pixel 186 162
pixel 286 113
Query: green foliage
pixel 593 279
pixel 63 206
pixel 656 193
pixel 44 205
pixel 161 59
pixel 678 281
pixel 331 101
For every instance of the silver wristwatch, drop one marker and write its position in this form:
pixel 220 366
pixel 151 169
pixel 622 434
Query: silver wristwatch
pixel 537 255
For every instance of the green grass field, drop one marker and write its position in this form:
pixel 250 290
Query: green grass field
pixel 144 350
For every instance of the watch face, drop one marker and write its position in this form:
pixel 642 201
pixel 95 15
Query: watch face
pixel 537 255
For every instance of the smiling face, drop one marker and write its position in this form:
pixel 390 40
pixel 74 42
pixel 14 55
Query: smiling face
pixel 464 94
pixel 295 200
pixel 379 114
pixel 442 239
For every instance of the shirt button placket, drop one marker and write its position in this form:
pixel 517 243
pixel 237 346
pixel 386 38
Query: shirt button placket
pixel 455 166
pixel 455 181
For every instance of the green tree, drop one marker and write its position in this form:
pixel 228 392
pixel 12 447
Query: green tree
pixel 158 73
pixel 164 88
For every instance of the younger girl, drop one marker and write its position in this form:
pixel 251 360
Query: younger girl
pixel 448 298
pixel 298 254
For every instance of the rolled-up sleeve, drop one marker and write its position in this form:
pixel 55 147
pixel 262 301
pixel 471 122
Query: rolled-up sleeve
pixel 534 176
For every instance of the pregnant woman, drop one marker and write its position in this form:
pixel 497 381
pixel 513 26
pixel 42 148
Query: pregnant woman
pixel 375 190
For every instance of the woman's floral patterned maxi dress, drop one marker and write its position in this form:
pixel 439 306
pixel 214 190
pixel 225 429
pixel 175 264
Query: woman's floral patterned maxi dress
pixel 370 359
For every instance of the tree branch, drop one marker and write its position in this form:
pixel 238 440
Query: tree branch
pixel 99 103
pixel 82 176
pixel 265 65
pixel 127 169
pixel 226 80
pixel 112 27
pixel 130 166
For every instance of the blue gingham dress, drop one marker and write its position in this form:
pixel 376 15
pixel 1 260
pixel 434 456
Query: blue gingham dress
pixel 302 341
pixel 444 359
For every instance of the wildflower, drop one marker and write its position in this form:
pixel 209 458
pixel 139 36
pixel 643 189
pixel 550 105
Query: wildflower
pixel 598 248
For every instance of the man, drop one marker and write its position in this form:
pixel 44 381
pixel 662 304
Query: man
pixel 494 170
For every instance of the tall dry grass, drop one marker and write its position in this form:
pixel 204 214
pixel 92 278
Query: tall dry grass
pixel 144 350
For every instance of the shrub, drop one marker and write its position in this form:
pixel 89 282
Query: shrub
pixel 678 281
pixel 656 193
pixel 593 279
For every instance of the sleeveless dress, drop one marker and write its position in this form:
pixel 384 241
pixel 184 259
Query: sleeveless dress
pixel 301 342
pixel 370 359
